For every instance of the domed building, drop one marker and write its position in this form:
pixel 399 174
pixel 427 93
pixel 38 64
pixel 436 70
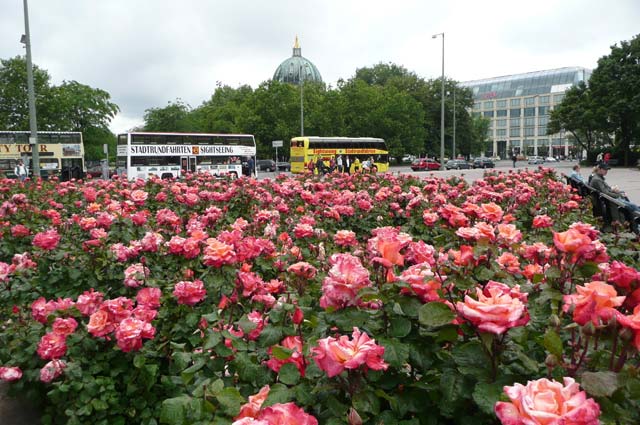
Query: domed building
pixel 297 68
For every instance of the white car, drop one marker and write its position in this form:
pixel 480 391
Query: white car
pixel 408 158
pixel 535 160
pixel 550 159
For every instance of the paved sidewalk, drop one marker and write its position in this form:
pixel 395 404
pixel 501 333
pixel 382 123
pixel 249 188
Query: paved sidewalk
pixel 13 412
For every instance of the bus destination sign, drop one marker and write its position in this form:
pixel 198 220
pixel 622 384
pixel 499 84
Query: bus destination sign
pixel 188 150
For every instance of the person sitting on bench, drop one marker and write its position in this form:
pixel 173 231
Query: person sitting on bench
pixel 575 174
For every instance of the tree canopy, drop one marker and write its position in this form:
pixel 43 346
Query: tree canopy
pixel 605 112
pixel 384 101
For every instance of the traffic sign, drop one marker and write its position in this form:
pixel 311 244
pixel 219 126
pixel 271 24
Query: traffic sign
pixel 277 143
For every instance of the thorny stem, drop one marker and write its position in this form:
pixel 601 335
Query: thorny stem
pixel 614 348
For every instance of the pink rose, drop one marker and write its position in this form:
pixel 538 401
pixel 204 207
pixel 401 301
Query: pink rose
pixel 149 297
pixel 135 275
pixel 10 374
pixel 130 333
pixel 189 293
pixel 303 269
pixel 548 403
pixel 89 302
pixel 52 346
pixel 497 309
pixel 293 343
pixel 335 355
pixel 100 324
pixel 52 370
pixel 64 327
pixel 47 240
pixel 286 414
pixel 594 301
pixel 345 279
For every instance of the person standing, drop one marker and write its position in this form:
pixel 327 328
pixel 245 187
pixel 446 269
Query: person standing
pixel 339 163
pixel 599 158
pixel 356 165
pixel 252 166
pixel 332 164
pixel 347 163
pixel 607 158
pixel 514 158
pixel 320 166
pixel 21 171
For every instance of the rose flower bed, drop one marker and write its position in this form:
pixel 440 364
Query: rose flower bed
pixel 347 300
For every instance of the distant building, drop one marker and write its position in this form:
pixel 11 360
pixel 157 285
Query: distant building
pixel 297 68
pixel 519 107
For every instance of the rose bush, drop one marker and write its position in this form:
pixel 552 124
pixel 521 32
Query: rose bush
pixel 348 299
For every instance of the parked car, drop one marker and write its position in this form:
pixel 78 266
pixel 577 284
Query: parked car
pixel 95 171
pixel 550 159
pixel 457 164
pixel 284 166
pixel 408 158
pixel 266 165
pixel 422 164
pixel 535 160
pixel 482 162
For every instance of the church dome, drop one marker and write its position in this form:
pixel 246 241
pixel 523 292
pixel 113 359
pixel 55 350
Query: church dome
pixel 289 71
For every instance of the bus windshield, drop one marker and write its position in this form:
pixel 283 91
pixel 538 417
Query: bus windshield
pixel 172 155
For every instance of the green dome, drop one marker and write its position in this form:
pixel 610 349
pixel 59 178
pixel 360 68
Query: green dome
pixel 289 71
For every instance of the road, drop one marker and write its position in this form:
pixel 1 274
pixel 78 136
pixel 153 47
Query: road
pixel 627 179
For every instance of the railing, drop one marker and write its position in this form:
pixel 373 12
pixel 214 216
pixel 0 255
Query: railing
pixel 606 207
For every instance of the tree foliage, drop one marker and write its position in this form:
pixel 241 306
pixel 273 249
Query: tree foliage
pixel 71 106
pixel 384 101
pixel 608 106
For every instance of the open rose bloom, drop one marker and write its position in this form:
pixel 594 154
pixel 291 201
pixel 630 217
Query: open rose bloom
pixel 335 355
pixel 545 402
pixel 497 308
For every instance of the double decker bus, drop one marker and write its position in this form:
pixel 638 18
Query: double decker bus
pixel 305 149
pixel 167 155
pixel 61 153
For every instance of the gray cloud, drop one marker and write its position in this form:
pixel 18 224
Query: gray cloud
pixel 148 52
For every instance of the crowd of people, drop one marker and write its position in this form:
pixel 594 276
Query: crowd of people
pixel 321 165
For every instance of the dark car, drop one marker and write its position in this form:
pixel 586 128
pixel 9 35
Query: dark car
pixel 457 164
pixel 266 165
pixel 423 164
pixel 95 171
pixel 483 162
pixel 284 166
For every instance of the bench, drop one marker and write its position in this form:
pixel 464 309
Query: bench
pixel 604 205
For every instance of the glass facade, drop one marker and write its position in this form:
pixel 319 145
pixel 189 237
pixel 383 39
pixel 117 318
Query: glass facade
pixel 528 98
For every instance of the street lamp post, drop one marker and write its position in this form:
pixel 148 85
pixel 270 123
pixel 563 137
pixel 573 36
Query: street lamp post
pixel 301 80
pixel 454 122
pixel 441 104
pixel 33 125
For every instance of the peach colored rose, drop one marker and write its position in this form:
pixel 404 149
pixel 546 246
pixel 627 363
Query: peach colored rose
pixel 252 408
pixel 508 234
pixel 345 238
pixel 545 402
pixel 570 241
pixel 497 309
pixel 217 253
pixel 491 212
pixel 100 324
pixel 594 301
pixel 64 327
pixel 335 355
pixel 541 221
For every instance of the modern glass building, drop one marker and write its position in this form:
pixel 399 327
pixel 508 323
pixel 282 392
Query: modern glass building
pixel 518 107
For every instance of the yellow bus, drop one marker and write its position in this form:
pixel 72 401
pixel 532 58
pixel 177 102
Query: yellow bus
pixel 61 153
pixel 306 149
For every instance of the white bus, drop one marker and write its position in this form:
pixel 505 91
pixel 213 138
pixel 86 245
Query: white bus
pixel 167 155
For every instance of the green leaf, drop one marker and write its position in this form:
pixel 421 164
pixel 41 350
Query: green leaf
pixel 279 393
pixel 395 353
pixel 472 359
pixel 435 314
pixel 553 343
pixel 213 339
pixel 366 401
pixel 400 327
pixel 280 352
pixel 289 374
pixel 139 361
pixel 588 269
pixel 484 274
pixel 173 410
pixel 600 384
pixel 486 395
pixel 230 400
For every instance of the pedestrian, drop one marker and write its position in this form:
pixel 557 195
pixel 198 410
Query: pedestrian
pixel 347 164
pixel 575 174
pixel 366 165
pixel 599 158
pixel 311 166
pixel 21 171
pixel 320 166
pixel 339 163
pixel 356 165
pixel 514 158
pixel 252 166
pixel 332 164
pixel 607 158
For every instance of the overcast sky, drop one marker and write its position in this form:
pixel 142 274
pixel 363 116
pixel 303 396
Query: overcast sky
pixel 146 53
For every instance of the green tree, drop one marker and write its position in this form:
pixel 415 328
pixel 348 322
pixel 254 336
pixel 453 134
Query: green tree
pixel 579 115
pixel 615 90
pixel 14 103
pixel 175 117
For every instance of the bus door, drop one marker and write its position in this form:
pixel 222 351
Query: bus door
pixel 188 164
